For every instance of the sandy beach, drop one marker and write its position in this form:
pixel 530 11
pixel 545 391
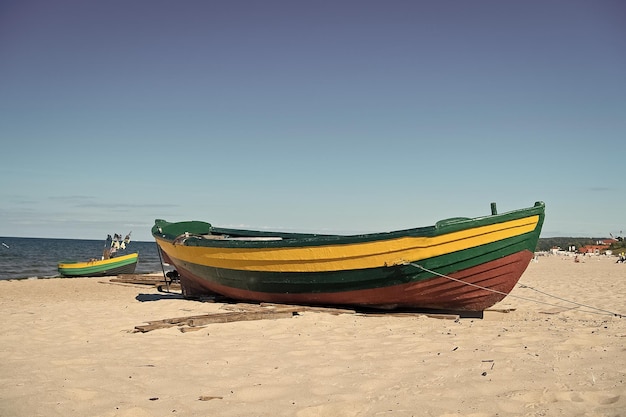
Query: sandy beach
pixel 70 348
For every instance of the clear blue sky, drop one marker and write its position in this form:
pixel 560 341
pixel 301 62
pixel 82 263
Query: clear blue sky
pixel 346 116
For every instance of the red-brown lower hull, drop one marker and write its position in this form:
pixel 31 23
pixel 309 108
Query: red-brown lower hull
pixel 440 293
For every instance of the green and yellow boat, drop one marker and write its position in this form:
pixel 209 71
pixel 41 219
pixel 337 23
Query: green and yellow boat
pixel 462 264
pixel 124 264
pixel 111 262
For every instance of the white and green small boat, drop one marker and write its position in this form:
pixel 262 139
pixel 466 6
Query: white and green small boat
pixel 109 264
pixel 125 264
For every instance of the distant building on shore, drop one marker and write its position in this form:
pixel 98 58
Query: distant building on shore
pixel 594 249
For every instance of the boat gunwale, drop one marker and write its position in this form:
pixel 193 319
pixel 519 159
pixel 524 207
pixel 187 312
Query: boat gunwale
pixel 194 238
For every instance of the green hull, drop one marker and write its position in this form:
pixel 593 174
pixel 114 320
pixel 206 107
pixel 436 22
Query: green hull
pixel 97 268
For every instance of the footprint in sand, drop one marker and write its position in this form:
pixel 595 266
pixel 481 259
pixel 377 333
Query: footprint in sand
pixel 519 401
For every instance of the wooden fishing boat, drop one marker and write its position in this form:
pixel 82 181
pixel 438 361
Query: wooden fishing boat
pixel 124 264
pixel 463 264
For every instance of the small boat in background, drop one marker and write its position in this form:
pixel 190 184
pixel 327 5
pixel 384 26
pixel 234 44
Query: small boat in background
pixel 462 264
pixel 109 264
pixel 124 264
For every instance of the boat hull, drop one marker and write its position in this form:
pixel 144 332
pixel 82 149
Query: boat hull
pixel 459 264
pixel 438 293
pixel 97 268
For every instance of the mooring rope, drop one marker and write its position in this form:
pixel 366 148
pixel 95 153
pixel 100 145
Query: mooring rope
pixel 573 302
pixel 597 310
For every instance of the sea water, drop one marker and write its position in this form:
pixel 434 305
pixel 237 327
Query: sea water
pixel 22 257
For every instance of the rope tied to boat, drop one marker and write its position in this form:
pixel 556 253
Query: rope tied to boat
pixel 595 310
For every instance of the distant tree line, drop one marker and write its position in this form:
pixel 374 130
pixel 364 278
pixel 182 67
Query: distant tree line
pixel 547 243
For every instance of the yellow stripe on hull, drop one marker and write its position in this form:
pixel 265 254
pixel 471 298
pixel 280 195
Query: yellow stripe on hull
pixel 99 262
pixel 348 256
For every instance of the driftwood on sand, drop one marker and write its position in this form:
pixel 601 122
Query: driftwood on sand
pixel 264 311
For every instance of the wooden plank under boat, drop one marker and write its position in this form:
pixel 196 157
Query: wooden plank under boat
pixel 464 264
pixel 125 264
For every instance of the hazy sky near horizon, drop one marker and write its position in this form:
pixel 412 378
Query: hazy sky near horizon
pixel 345 116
